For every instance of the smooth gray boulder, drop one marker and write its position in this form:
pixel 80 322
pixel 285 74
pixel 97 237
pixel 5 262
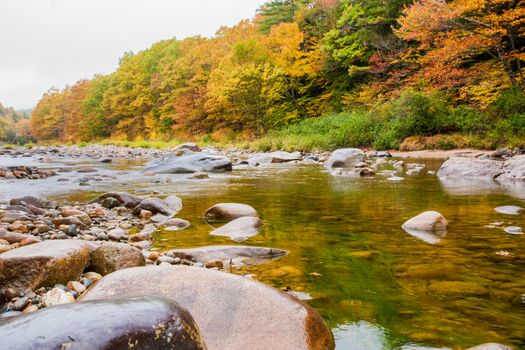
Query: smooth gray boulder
pixel 509 209
pixel 227 252
pixel 514 169
pixel 229 211
pixel 240 229
pixel 233 312
pixel 345 158
pixel 155 206
pixel 490 346
pixel 119 323
pixel 460 167
pixel 191 163
pixel 429 226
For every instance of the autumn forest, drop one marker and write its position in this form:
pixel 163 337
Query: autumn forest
pixel 307 74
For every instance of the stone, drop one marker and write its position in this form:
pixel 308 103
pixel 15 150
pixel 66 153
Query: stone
pixel 283 157
pixel 109 257
pixel 258 316
pixel 240 229
pixel 117 234
pixel 119 323
pixel 57 296
pixel 30 200
pixel 426 221
pixel 345 158
pixel 189 146
pixel 509 210
pixel 125 199
pixel 76 286
pixel 175 224
pixel 192 163
pixel 155 206
pixel 199 175
pixel 11 216
pixel 15 237
pixel 513 230
pixel 174 202
pixel 227 253
pixel 514 169
pixel 470 167
pixel 490 346
pixel 44 264
pixel 93 276
pixel 229 211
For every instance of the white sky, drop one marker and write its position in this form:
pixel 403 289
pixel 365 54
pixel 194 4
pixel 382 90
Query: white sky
pixel 46 43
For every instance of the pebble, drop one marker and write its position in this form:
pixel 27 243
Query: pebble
pixel 76 286
pixel 513 230
pixel 57 296
pixel 509 210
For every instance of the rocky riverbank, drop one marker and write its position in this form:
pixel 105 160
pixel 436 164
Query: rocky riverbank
pixel 64 254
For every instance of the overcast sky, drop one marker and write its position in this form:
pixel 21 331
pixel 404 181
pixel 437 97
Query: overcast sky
pixel 46 43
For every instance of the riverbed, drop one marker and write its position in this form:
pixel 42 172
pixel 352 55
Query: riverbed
pixel 377 286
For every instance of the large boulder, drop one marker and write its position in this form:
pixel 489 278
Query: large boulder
pixel 345 158
pixel 239 229
pixel 191 163
pixel 229 211
pixel 227 253
pixel 111 256
pixel 460 167
pixel 490 346
pixel 514 169
pixel 120 323
pixel 274 157
pixel 44 264
pixel 233 312
pixel 124 199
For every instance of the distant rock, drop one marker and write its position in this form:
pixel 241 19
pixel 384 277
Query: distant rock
pixel 124 199
pixel 345 158
pixel 514 169
pixel 226 253
pixel 191 163
pixel 470 167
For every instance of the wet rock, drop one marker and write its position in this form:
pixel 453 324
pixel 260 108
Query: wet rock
pixel 345 158
pixel 513 230
pixel 30 200
pixel 426 221
pixel 57 296
pixel 470 167
pixel 240 229
pixel 175 224
pixel 192 163
pixel 189 146
pixel 229 211
pixel 174 202
pixel 110 203
pixel 139 322
pixel 154 205
pixel 11 216
pixel 15 237
pixel 284 157
pixel 509 210
pixel 490 346
pixel 199 175
pixel 226 253
pixel 125 199
pixel 109 257
pixel 254 310
pixel 44 264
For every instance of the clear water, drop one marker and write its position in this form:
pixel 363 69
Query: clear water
pixel 375 285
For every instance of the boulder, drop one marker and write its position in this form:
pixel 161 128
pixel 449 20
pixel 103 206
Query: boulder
pixel 57 296
pixel 189 146
pixel 111 256
pixel 175 224
pixel 11 216
pixel 470 167
pixel 509 209
pixel 426 221
pixel 514 169
pixel 30 200
pixel 121 323
pixel 125 199
pixel 229 211
pixel 44 264
pixel 233 312
pixel 345 158
pixel 191 163
pixel 226 253
pixel 240 229
pixel 15 237
pixel 283 157
pixel 155 206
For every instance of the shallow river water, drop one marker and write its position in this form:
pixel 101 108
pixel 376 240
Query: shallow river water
pixel 375 285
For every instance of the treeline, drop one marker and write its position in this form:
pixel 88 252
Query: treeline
pixel 303 59
pixel 15 126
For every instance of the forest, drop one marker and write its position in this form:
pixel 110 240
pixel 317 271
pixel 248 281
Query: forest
pixel 15 126
pixel 316 74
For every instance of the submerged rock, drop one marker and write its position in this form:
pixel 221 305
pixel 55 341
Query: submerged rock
pixel 233 312
pixel 191 163
pixel 229 211
pixel 427 221
pixel 226 253
pixel 509 210
pixel 513 230
pixel 110 257
pixel 240 229
pixel 345 158
pixel 120 323
pixel 44 264
pixel 470 167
